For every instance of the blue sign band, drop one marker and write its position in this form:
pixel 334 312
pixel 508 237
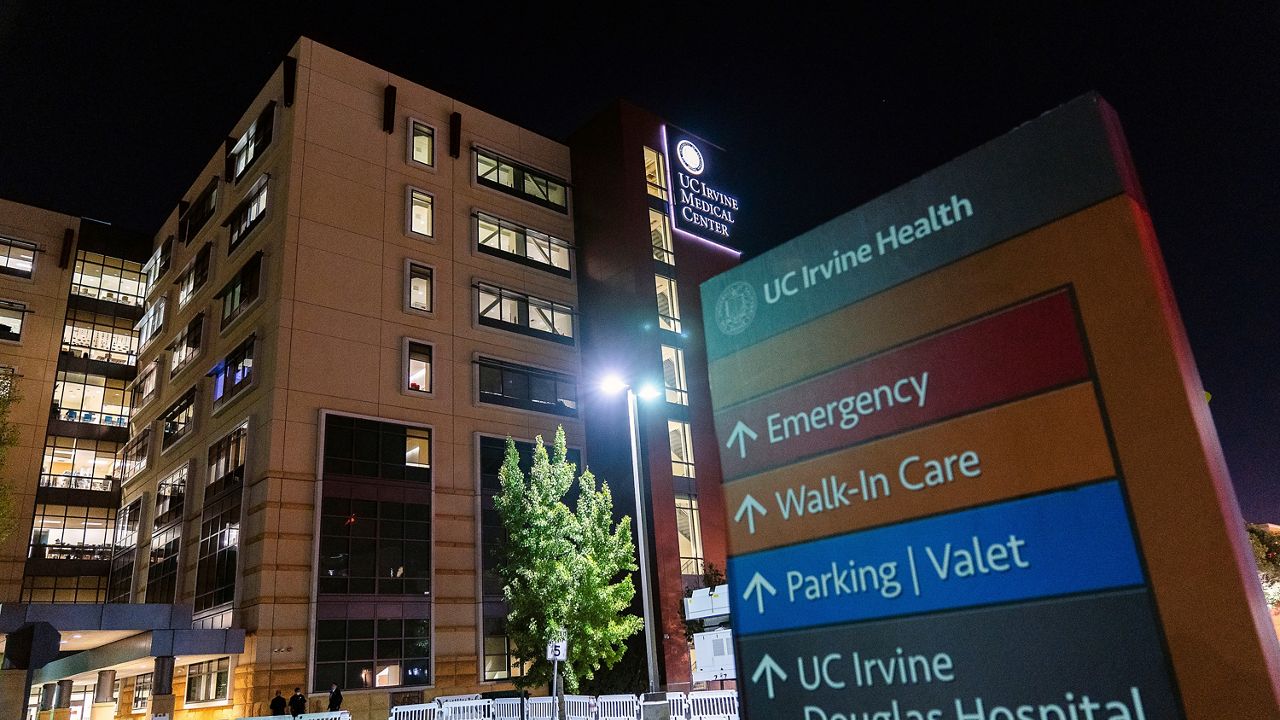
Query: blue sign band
pixel 1061 543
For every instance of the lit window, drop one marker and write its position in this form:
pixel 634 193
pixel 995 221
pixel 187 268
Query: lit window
pixel 11 316
pixel 170 496
pixel 420 213
pixel 655 173
pixel 177 420
pixel 249 213
pixel 141 692
pixel 417 448
pixel 668 303
pixel 195 276
pixel 419 367
pixel 226 459
pixel 144 388
pixel 245 151
pixel 508 176
pixel 673 375
pixel 660 236
pixel 524 245
pixel 159 262
pixel 209 681
pixel 107 278
pixel 70 532
pixel 92 399
pixel 421 288
pixel 186 347
pixel 510 310
pixel 234 373
pixel 134 456
pixel 106 338
pixel 689 529
pixel 17 258
pixel 78 463
pixel 681 448
pixel 423 143
pixel 152 322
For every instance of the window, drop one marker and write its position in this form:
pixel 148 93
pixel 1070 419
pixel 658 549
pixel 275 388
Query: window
pixel 421 288
pixel 134 456
pixel 528 247
pixel 78 463
pixel 108 278
pixel 219 547
pixel 17 257
pixel 248 214
pixel 120 585
pixel 234 373
pixel 11 315
pixel 169 496
pixel 422 143
pixel 226 461
pixel 526 314
pixel 162 567
pixel 141 692
pixel 92 399
pixel 64 589
pixel 363 653
pixel 673 375
pixel 152 322
pixel 192 218
pixel 144 388
pixel 69 532
pixel 508 176
pixel 357 447
pixel 244 152
pixel 105 338
pixel 158 265
pixel 655 173
pixel 209 681
pixel 186 347
pixel 689 529
pixel 375 548
pixel 178 419
pixel 421 215
pixel 418 366
pixel 195 276
pixel 681 448
pixel 241 291
pixel 660 236
pixel 520 386
pixel 500 661
pixel 668 303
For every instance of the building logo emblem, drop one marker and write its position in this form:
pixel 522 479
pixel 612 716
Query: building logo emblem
pixel 735 308
pixel 690 157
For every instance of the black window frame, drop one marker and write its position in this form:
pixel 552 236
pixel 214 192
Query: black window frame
pixel 174 427
pixel 519 174
pixel 524 236
pixel 21 309
pixel 238 223
pixel 521 324
pixel 241 291
pixel 365 448
pixel 197 272
pixel 186 347
pixel 511 377
pixel 7 247
pixel 374 547
pixel 199 212
pixel 237 362
pixel 257 136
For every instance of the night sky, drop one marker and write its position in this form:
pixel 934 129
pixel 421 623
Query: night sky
pixel 111 110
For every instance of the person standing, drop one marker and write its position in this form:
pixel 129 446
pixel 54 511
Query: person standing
pixel 277 704
pixel 335 697
pixel 297 703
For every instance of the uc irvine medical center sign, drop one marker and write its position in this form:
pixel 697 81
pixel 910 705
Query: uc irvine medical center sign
pixel 700 205
pixel 968 467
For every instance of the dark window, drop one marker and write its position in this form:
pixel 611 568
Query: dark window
pixel 178 419
pixel 529 247
pixel 17 257
pixel 198 213
pixel 512 385
pixel 241 291
pixel 513 178
pixel 251 145
pixel 219 546
pixel 170 496
pixel 247 214
pixel 367 653
pixel 186 347
pixel 134 456
pixel 525 314
pixel 158 265
pixel 69 589
pixel 369 547
pixel 144 388
pixel 234 373
pixel 195 276
pixel 152 322
pixel 11 316
pixel 226 462
pixel 162 571
pixel 356 447
pixel 120 583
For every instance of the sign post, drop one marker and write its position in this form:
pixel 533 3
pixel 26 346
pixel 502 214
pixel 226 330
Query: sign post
pixel 969 470
pixel 557 650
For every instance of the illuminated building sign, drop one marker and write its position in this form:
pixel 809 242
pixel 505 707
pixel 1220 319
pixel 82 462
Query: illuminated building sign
pixel 699 204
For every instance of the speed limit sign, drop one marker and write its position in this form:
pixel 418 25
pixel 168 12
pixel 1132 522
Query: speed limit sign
pixel 558 650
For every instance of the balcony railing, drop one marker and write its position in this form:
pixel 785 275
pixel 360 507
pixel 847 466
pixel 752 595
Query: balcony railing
pixel 71 552
pixel 75 481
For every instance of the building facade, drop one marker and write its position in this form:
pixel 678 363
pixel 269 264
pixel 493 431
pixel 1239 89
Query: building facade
pixel 368 288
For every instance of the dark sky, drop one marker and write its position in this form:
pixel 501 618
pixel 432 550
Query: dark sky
pixel 111 109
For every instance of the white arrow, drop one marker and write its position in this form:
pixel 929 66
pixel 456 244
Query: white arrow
pixel 748 507
pixel 758 585
pixel 739 435
pixel 768 668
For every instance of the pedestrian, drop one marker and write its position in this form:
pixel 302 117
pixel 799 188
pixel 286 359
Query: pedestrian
pixel 335 697
pixel 277 704
pixel 297 703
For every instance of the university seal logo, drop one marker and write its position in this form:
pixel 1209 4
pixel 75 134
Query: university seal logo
pixel 690 157
pixel 735 308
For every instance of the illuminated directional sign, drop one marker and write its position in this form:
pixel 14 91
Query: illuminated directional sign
pixel 966 457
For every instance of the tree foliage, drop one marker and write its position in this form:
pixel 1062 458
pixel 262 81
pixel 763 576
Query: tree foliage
pixel 1266 553
pixel 8 438
pixel 565 572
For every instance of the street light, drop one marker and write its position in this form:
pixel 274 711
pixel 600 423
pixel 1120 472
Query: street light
pixel 613 385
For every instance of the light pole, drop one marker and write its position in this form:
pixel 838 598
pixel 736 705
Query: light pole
pixel 613 385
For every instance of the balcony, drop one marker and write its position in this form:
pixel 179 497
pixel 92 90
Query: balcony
pixel 88 424
pixel 69 488
pixel 67 560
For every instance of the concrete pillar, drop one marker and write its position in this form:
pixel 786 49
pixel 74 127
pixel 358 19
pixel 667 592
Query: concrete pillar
pixel 47 691
pixel 104 707
pixel 14 689
pixel 62 704
pixel 162 700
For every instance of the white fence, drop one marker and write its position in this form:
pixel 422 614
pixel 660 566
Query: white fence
pixel 697 705
pixel 334 715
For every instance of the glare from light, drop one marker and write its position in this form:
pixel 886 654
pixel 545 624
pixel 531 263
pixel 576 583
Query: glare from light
pixel 613 384
pixel 648 392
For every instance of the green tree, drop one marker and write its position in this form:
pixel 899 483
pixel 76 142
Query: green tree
pixel 565 572
pixel 8 437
